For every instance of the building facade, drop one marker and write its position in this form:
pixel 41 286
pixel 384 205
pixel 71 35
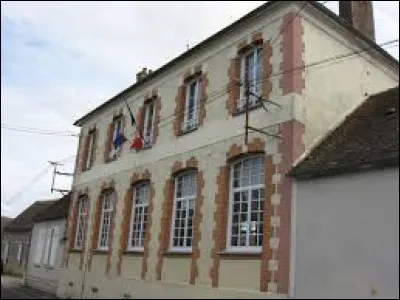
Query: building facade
pixel 46 248
pixel 198 212
pixel 345 213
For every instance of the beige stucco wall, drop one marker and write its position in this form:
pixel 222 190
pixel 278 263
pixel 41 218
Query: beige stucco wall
pixel 209 144
pixel 335 88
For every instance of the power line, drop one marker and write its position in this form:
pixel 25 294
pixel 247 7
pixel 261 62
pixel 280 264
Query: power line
pixel 5 127
pixel 30 184
pixel 217 94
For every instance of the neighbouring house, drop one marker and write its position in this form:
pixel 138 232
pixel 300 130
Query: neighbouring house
pixel 46 247
pixel 345 238
pixel 16 237
pixel 197 212
pixel 4 221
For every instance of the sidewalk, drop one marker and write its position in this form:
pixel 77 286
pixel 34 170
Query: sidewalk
pixel 16 285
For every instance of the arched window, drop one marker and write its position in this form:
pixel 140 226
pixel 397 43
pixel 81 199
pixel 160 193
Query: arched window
pixel 183 211
pixel 139 216
pixel 246 204
pixel 81 221
pixel 107 207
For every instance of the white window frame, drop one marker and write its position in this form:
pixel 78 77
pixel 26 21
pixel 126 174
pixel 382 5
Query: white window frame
pixel 246 249
pixel 148 136
pixel 90 158
pixel 143 224
pixel 193 198
pixel 192 123
pixel 107 195
pixel 81 221
pixel 253 101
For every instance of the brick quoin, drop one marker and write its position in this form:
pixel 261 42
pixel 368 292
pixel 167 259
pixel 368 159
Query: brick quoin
pixel 126 218
pixel 233 88
pixel 164 236
pixel 235 151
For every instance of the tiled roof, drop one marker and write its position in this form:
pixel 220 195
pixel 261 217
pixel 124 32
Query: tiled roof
pixel 368 138
pixel 24 221
pixel 58 210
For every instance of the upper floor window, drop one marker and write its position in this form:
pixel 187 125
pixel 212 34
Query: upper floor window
pixel 81 221
pixel 117 131
pixel 246 204
pixel 251 76
pixel 191 112
pixel 148 125
pixel 107 208
pixel 183 211
pixel 139 217
pixel 91 150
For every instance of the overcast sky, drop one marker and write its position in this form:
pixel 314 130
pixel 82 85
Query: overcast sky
pixel 59 60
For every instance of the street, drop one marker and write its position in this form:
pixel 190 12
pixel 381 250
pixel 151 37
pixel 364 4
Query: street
pixel 12 288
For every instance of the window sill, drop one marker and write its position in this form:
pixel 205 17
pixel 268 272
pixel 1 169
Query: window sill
pixel 177 254
pixel 75 250
pixel 186 131
pixel 133 252
pixel 37 266
pixel 236 255
pixel 100 251
pixel 243 111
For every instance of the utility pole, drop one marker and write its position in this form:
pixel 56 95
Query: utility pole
pixel 261 100
pixel 55 172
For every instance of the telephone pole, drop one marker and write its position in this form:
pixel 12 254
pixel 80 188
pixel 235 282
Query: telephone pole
pixel 55 172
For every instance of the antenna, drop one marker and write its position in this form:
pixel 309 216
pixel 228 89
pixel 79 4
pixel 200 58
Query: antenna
pixel 55 172
pixel 247 127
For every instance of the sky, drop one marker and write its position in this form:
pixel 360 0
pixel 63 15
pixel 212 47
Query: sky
pixel 59 60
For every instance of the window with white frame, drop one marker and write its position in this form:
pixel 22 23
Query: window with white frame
pixel 183 211
pixel 246 204
pixel 106 219
pixel 190 120
pixel 91 153
pixel 251 76
pixel 139 217
pixel 148 125
pixel 81 221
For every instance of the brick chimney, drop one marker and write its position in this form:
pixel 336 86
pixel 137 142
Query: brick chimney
pixel 360 15
pixel 142 74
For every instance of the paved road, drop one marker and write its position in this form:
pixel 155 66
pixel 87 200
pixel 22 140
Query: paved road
pixel 12 288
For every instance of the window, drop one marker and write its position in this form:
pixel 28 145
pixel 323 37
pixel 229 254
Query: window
pixel 91 150
pixel 106 218
pixel 81 222
pixel 246 204
pixel 251 72
pixel 190 120
pixel 139 217
pixel 183 211
pixel 148 126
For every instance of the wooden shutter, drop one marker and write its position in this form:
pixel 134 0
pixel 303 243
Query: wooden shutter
pixel 40 246
pixel 109 142
pixel 47 246
pixel 54 245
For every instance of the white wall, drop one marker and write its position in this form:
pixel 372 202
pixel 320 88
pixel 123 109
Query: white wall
pixel 347 236
pixel 41 276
